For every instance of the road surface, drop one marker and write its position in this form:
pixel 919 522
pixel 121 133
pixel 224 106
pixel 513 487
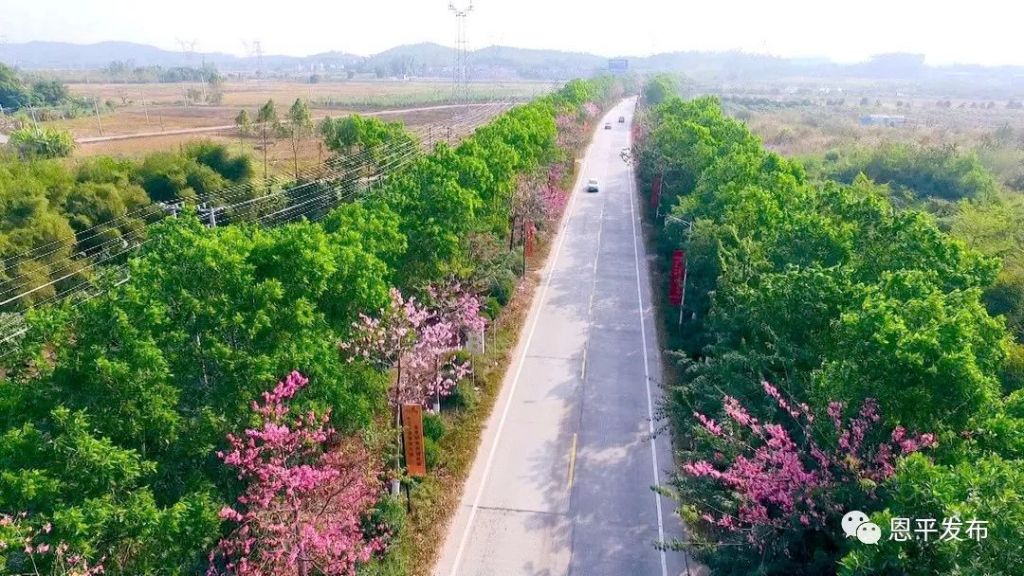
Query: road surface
pixel 226 127
pixel 562 479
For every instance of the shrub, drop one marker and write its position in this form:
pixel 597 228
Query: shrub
pixel 773 494
pixel 31 142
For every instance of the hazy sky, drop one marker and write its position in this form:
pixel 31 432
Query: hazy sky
pixel 979 31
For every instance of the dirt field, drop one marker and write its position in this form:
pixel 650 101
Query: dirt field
pixel 155 108
pixel 161 107
pixel 280 155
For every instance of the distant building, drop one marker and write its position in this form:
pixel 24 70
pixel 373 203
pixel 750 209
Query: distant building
pixel 883 120
pixel 619 65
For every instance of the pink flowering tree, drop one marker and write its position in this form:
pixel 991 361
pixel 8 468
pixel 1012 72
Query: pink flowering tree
pixel 418 341
pixel 571 135
pixel 590 110
pixel 552 196
pixel 766 485
pixel 27 549
pixel 307 494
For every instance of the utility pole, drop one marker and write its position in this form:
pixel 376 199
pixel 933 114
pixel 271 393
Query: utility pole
pixel 460 72
pixel 142 97
pixel 185 51
pixel 96 107
pixel 202 75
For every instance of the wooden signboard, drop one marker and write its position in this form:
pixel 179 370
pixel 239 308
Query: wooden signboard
pixel 412 436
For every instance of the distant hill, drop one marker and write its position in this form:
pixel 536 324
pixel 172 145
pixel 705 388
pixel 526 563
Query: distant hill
pixel 501 62
pixel 63 55
pixel 66 56
pixel 423 59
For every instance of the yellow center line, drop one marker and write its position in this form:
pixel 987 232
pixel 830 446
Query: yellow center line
pixel 572 461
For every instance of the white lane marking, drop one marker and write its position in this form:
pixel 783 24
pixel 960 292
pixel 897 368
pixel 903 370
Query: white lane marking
pixel 593 288
pixel 647 376
pixel 522 359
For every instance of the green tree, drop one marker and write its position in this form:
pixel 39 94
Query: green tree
pixel 244 125
pixel 300 126
pixel 13 95
pixel 269 125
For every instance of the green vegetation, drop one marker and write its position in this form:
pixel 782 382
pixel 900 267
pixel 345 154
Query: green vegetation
pixel 113 409
pixel 914 173
pixel 16 93
pixel 31 142
pixel 52 211
pixel 126 71
pixel 659 89
pixel 839 300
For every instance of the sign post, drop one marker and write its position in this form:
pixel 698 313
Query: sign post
pixel 677 283
pixel 412 436
pixel 656 192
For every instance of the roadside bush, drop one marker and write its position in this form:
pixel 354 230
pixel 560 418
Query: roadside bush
pixel 503 287
pixel 31 142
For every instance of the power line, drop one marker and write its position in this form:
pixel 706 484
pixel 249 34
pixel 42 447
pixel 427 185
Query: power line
pixel 311 203
pixel 235 190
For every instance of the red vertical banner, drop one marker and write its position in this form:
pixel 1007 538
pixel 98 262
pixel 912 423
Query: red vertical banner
pixel 655 192
pixel 412 436
pixel 530 232
pixel 675 288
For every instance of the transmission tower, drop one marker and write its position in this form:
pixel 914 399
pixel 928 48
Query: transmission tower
pixel 460 72
pixel 257 47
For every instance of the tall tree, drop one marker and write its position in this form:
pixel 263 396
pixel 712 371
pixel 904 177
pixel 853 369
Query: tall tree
pixel 269 125
pixel 244 124
pixel 300 125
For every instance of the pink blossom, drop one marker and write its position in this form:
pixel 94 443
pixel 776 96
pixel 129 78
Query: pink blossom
pixel 419 342
pixel 776 481
pixel 306 496
pixel 739 414
pixel 709 424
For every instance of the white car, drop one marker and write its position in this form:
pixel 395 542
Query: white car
pixel 592 185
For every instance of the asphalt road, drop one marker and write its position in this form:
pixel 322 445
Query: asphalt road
pixel 562 479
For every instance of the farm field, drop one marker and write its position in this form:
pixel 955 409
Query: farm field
pixel 155 108
pixel 310 151
pixel 161 107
